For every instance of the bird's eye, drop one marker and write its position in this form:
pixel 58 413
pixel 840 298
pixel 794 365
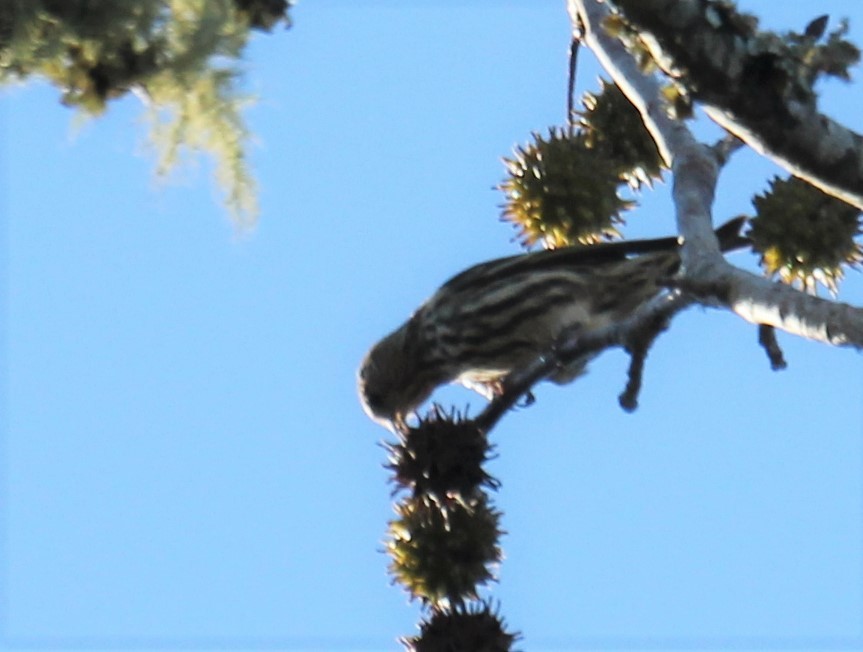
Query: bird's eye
pixel 375 401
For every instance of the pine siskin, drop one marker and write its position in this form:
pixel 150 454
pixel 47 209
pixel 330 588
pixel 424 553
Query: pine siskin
pixel 498 316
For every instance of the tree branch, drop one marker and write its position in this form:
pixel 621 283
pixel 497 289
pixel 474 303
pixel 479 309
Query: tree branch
pixel 636 334
pixel 695 166
pixel 767 339
pixel 743 80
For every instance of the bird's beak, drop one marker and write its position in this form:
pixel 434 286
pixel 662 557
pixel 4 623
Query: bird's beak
pixel 399 425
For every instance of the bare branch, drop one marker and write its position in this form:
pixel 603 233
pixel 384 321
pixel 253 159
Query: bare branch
pixel 760 301
pixel 767 339
pixel 636 334
pixel 571 111
pixel 694 188
pixel 733 71
pixel 695 166
pixel 726 147
pixel 640 341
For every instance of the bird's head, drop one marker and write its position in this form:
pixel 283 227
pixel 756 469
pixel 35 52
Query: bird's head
pixel 390 381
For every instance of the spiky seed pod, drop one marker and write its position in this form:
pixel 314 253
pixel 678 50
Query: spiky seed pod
pixel 441 457
pixel 477 627
pixel 443 553
pixel 559 191
pixel 804 235
pixel 611 123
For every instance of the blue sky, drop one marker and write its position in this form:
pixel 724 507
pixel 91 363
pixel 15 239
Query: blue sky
pixel 184 462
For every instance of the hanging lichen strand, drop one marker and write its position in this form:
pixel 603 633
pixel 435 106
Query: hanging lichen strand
pixel 180 56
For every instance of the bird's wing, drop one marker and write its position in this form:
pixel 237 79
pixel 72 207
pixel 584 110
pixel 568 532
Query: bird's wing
pixel 581 255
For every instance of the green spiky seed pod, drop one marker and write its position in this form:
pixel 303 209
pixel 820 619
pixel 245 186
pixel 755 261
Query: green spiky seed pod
pixel 611 123
pixel 804 235
pixel 560 191
pixel 442 553
pixel 476 627
pixel 442 458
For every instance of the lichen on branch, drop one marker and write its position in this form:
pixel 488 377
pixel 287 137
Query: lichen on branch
pixel 180 56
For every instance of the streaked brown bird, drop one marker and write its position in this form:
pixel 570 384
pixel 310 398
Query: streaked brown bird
pixel 498 316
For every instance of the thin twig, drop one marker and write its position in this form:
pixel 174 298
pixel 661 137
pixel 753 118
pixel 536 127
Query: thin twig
pixel 726 146
pixel 571 114
pixel 641 341
pixel 636 334
pixel 767 339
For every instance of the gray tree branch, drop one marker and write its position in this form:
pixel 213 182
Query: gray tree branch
pixel 695 167
pixel 736 74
